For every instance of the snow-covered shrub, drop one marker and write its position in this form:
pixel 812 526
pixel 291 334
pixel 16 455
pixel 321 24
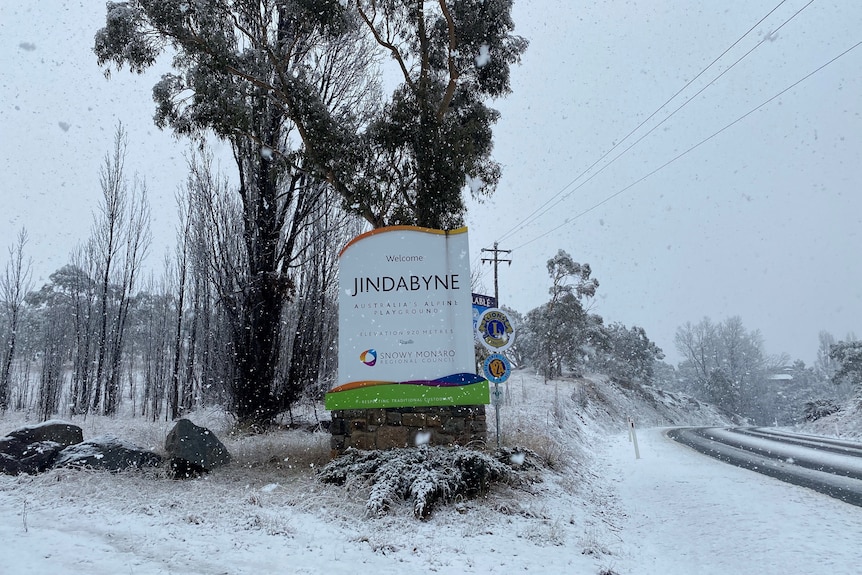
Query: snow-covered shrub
pixel 814 410
pixel 425 475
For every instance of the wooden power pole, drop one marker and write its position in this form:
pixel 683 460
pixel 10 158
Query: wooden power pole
pixel 496 261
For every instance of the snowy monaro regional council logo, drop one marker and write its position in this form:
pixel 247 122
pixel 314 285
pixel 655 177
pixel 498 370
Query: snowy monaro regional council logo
pixel 368 357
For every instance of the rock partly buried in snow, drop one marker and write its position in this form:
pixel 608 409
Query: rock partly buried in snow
pixel 40 456
pixel 107 453
pixel 18 441
pixel 194 450
pixel 34 448
pixel 9 465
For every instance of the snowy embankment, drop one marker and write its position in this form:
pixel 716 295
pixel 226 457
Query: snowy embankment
pixel 596 510
pixel 846 424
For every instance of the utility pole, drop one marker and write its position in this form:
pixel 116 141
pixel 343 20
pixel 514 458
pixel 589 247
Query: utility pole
pixel 496 261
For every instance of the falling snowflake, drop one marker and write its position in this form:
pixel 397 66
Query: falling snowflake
pixel 484 56
pixel 423 438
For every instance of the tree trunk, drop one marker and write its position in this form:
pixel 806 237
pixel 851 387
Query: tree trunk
pixel 257 353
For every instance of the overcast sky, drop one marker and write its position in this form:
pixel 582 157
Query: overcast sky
pixel 763 220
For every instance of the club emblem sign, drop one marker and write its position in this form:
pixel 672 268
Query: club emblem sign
pixel 405 336
pixel 497 368
pixel 495 330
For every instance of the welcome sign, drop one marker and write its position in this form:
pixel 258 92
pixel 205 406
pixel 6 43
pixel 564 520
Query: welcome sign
pixel 405 336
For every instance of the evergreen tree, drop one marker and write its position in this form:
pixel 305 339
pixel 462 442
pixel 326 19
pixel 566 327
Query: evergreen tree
pixel 433 137
pixel 562 333
pixel 848 354
pixel 407 161
pixel 628 354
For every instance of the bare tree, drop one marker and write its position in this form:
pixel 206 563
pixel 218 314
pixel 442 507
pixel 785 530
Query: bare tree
pixel 182 252
pixel 120 239
pixel 313 315
pixel 106 242
pixel 78 290
pixel 725 363
pixel 697 343
pixel 824 365
pixel 55 345
pixel 153 331
pixel 14 285
pixel 217 266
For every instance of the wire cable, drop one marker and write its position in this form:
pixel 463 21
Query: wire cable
pixel 669 116
pixel 691 149
pixel 545 207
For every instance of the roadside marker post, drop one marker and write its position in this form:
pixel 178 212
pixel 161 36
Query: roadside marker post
pixel 634 438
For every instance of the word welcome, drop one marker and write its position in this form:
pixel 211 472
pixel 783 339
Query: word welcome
pixel 403 259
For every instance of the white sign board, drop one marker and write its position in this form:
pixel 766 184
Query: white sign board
pixel 405 319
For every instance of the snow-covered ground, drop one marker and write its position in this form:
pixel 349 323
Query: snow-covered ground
pixel 682 512
pixel 598 510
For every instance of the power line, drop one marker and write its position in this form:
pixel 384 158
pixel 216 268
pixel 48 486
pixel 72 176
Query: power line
pixel 669 116
pixel 545 207
pixel 692 148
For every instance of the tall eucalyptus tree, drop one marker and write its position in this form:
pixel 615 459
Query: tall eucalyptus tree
pixel 292 85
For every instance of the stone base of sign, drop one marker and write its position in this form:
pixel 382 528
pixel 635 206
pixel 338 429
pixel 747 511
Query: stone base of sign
pixel 399 427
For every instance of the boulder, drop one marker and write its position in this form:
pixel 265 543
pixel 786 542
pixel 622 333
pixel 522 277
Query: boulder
pixel 194 450
pixel 34 448
pixel 107 453
pixel 61 432
pixel 40 456
pixel 9 465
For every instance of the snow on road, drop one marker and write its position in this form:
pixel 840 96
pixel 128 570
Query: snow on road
pixel 680 512
pixel 846 459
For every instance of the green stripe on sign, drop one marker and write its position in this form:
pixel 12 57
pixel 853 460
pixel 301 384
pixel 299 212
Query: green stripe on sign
pixel 406 395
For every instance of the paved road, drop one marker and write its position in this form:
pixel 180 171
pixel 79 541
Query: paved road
pixel 831 466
